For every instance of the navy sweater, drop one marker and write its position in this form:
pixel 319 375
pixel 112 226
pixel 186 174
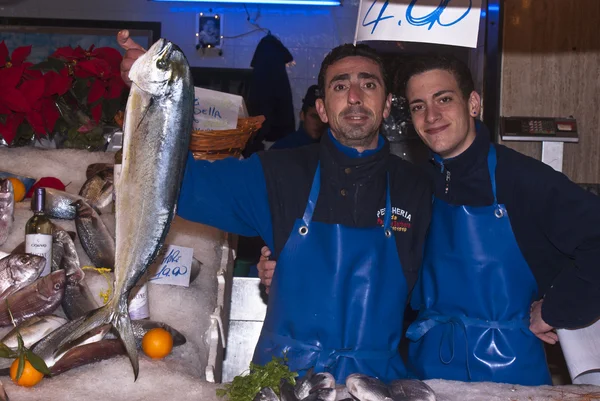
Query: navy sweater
pixel 556 223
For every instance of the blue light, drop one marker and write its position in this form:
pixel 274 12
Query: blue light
pixel 494 7
pixel 295 2
pixel 483 14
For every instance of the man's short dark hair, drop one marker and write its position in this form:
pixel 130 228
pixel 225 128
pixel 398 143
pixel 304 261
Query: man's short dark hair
pixel 423 63
pixel 312 93
pixel 350 50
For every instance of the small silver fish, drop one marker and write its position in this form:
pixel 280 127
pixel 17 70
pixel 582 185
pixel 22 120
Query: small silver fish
pixel 286 391
pixel 18 270
pixel 96 240
pixel 7 209
pixel 158 121
pixel 367 388
pixel 41 297
pixel 32 330
pixel 411 390
pixel 96 168
pixel 266 394
pixel 312 381
pixel 98 190
pixel 59 204
pixel 321 394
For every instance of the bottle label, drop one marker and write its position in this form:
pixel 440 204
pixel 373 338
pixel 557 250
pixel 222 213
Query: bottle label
pixel 138 300
pixel 41 245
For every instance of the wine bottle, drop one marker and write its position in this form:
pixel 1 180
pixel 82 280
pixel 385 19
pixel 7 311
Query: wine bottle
pixel 138 300
pixel 38 231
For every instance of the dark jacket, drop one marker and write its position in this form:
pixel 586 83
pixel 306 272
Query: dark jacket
pixel 265 194
pixel 555 222
pixel 294 140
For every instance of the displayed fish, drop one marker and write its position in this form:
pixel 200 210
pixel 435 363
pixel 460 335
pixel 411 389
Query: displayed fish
pixel 367 388
pixel 18 270
pixel 286 391
pixel 7 209
pixel 266 394
pixel 38 298
pixel 411 390
pixel 58 244
pixel 96 240
pixel 3 255
pixel 32 330
pixel 321 394
pixel 96 168
pixel 98 190
pixel 64 253
pixel 158 122
pixel 311 381
pixel 59 204
pixel 87 353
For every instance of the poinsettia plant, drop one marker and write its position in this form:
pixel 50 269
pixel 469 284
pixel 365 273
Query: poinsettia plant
pixel 74 94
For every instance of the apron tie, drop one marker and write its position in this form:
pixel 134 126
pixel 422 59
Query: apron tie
pixel 324 359
pixel 429 319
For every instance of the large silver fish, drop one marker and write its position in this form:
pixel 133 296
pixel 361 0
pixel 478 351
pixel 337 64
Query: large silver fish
pixel 32 330
pixel 157 129
pixel 18 270
pixel 96 240
pixel 38 298
pixel 7 209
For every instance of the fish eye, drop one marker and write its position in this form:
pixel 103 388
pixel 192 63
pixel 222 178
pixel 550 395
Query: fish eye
pixel 161 64
pixel 57 286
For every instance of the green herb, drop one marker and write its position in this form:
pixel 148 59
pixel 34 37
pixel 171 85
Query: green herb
pixel 245 388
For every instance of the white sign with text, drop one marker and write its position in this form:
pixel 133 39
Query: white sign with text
pixel 446 22
pixel 173 266
pixel 216 110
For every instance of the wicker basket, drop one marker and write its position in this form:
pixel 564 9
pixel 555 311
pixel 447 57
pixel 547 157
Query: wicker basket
pixel 214 145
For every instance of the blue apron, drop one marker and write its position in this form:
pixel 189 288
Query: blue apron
pixel 474 294
pixel 337 299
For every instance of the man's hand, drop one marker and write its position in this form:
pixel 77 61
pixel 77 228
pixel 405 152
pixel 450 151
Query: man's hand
pixel 541 329
pixel 266 268
pixel 132 52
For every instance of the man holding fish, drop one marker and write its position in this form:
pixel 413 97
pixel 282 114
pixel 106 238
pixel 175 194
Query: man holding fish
pixel 346 219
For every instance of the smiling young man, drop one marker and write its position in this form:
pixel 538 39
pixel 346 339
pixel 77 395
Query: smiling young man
pixel 512 250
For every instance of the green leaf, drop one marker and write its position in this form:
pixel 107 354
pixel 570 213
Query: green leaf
pixel 21 366
pixel 80 90
pixel 21 345
pixel 51 64
pixel 6 352
pixel 37 362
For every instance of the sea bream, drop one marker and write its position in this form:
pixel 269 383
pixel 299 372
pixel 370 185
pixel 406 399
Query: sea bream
pixel 157 129
pixel 7 209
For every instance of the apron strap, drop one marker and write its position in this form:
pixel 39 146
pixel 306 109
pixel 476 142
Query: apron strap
pixel 325 359
pixel 429 319
pixel 492 161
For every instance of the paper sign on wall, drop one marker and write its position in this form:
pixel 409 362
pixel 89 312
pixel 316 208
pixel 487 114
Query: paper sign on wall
pixel 173 266
pixel 216 110
pixel 447 22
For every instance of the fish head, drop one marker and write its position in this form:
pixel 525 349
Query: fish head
pixel 23 261
pixel 7 196
pixel 266 394
pixel 367 388
pixel 161 68
pixel 52 284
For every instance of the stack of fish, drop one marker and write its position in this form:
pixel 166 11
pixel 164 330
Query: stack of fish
pixel 322 387
pixel 157 132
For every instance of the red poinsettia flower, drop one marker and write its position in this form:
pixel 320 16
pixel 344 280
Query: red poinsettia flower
pixel 69 54
pixel 8 130
pixel 17 57
pixel 11 98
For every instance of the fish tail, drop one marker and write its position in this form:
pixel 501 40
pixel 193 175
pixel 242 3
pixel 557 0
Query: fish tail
pixel 93 320
pixel 123 325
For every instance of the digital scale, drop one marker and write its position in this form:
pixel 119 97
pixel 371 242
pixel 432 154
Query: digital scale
pixel 552 132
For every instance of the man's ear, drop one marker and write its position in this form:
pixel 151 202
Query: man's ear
pixel 474 104
pixel 388 106
pixel 320 105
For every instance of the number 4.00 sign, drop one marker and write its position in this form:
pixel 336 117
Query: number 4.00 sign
pixel 447 22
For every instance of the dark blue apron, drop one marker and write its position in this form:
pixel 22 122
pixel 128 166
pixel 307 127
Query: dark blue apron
pixel 337 299
pixel 474 294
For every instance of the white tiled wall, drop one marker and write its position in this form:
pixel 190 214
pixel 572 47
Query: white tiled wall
pixel 308 32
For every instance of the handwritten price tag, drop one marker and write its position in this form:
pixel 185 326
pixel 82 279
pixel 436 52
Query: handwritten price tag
pixel 447 22
pixel 174 266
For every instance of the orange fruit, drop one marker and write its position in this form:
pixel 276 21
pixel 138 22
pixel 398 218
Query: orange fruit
pixel 30 376
pixel 157 343
pixel 18 188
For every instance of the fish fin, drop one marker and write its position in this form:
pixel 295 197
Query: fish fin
pixel 94 319
pixel 125 330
